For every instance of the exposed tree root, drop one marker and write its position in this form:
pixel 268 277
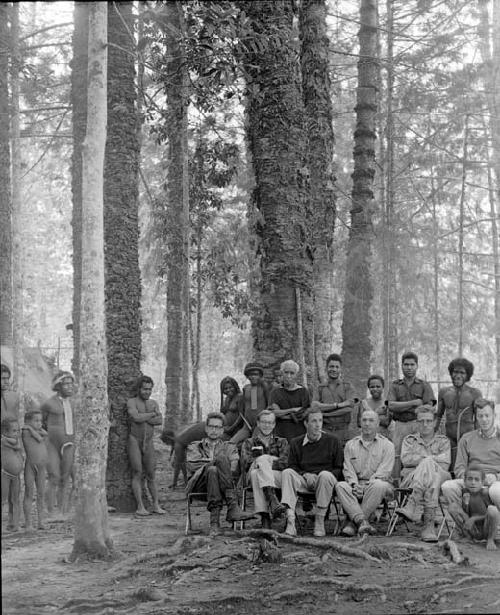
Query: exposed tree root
pixel 454 589
pixel 409 546
pixel 453 552
pixel 312 542
pixel 350 586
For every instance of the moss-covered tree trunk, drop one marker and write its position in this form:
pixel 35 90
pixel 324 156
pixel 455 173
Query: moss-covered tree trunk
pixel 356 322
pixel 177 91
pixel 121 239
pixel 79 109
pixel 277 142
pixel 319 130
pixel 91 528
pixel 5 187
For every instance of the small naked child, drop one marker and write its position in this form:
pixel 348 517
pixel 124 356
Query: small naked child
pixel 12 466
pixel 35 471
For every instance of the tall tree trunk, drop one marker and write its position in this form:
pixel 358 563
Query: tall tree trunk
pixel 460 294
pixel 319 129
pixel 490 52
pixel 390 306
pixel 121 239
pixel 277 141
pixel 356 322
pixel 91 531
pixel 79 108
pixel 6 321
pixel 176 88
pixel 18 223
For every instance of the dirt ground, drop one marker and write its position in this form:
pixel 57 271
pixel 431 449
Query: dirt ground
pixel 163 571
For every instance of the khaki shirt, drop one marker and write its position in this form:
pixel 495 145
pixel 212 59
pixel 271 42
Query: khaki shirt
pixel 414 450
pixel 366 460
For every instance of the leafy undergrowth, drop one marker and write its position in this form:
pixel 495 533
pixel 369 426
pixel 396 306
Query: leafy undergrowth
pixel 247 572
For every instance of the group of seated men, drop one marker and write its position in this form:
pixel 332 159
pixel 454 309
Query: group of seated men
pixel 321 459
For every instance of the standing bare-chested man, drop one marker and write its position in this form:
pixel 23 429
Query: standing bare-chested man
pixel 143 414
pixel 10 400
pixel 58 419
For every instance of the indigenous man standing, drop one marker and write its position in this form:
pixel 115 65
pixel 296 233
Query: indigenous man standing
pixel 457 401
pixel 405 395
pixel 143 414
pixel 10 400
pixel 335 399
pixel 58 420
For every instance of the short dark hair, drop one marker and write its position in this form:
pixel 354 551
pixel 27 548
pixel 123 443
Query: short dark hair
pixel 409 355
pixel 475 467
pixel 5 425
pixel 215 415
pixel 481 403
pixel 312 410
pixel 28 416
pixel 467 365
pixel 375 377
pixel 334 357
pixel 5 369
pixel 143 380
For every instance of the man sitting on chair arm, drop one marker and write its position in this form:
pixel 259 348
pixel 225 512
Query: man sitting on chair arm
pixel 426 458
pixel 263 457
pixel 212 465
pixel 368 463
pixel 315 464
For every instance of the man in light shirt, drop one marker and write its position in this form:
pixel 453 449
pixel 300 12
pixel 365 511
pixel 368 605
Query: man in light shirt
pixel 368 464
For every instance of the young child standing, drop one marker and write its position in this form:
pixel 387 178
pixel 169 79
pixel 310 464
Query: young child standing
pixel 477 517
pixel 34 439
pixel 12 466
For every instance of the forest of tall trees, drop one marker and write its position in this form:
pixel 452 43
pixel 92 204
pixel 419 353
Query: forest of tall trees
pixel 280 179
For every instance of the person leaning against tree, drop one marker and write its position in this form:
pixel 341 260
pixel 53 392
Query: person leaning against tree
pixel 406 394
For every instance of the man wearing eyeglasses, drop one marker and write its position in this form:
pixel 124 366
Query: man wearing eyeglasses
pixel 212 466
pixel 426 457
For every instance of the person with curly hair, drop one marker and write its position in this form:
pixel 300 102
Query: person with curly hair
pixel 457 402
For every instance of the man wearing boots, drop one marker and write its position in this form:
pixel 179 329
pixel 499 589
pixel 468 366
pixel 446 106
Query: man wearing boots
pixel 425 457
pixel 263 457
pixel 315 464
pixel 368 463
pixel 212 464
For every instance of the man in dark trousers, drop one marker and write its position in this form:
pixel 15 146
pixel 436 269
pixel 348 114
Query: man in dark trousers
pixel 315 465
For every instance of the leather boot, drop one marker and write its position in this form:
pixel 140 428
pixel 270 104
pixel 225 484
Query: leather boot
pixel 234 512
pixel 277 509
pixel 265 521
pixel 214 521
pixel 410 510
pixel 428 533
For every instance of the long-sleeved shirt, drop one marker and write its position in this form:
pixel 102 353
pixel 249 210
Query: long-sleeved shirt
pixel 475 448
pixel 414 450
pixel 315 456
pixel 365 460
pixel 200 453
pixel 276 446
